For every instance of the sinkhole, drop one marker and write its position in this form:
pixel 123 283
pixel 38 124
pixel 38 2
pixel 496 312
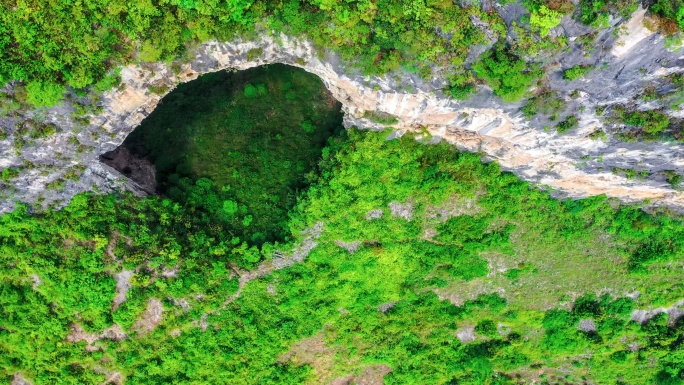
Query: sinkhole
pixel 239 146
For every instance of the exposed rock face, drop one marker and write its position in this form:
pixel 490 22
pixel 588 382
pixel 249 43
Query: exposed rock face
pixel 150 318
pixel 573 164
pixel 18 379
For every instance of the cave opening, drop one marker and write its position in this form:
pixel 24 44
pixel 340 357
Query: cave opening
pixel 238 146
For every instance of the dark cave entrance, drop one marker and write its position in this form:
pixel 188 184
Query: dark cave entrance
pixel 241 146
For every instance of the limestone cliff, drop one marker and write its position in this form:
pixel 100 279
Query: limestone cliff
pixel 574 164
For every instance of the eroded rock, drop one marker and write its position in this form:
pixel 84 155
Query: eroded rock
pixel 123 283
pixel 150 318
pixel 18 379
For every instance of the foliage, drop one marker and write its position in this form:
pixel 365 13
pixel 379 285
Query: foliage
pixel 596 13
pixel 252 137
pixel 509 76
pixel 576 72
pixel 333 295
pixel 43 94
pixel 568 124
pixel 544 20
pixel 78 45
pixel 670 9
pixel 547 103
pixel 460 92
pixel 674 179
pixel 651 122
pixel 379 117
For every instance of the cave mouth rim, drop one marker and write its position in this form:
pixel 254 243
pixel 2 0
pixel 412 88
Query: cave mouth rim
pixel 281 89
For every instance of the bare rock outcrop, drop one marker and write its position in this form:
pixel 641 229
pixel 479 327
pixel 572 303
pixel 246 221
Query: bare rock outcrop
pixel 150 318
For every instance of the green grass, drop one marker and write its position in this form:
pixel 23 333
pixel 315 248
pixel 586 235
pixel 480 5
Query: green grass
pixel 257 134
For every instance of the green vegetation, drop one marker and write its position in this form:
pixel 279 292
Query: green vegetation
pixel 39 94
pixel 53 46
pixel 285 250
pixel 241 145
pixel 9 173
pixel 674 179
pixel 570 123
pixel 544 20
pixel 577 72
pixel 630 173
pixel 382 118
pixel 547 103
pixel 651 124
pixel 509 76
pixel 598 135
pixel 77 45
pixel 672 12
pixel 596 13
pixel 443 225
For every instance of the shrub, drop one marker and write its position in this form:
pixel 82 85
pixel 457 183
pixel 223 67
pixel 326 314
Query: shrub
pixel 251 91
pixel 546 102
pixel 261 89
pixel 42 131
pixel 487 328
pixel 596 13
pixel 576 72
pixel 9 174
pixel 254 53
pixel 670 9
pixel 307 126
pixel 651 122
pixel 380 117
pixel 673 178
pixel 43 94
pixel 460 92
pixel 568 124
pixel 508 75
pixel 598 135
pixel 544 20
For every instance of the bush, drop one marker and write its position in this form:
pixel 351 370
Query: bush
pixel 596 13
pixel 8 174
pixel 508 75
pixel 43 94
pixel 381 117
pixel 673 178
pixel 568 124
pixel 670 9
pixel 487 328
pixel 546 102
pixel 261 89
pixel 307 126
pixel 544 20
pixel 460 92
pixel 251 91
pixel 254 53
pixel 576 72
pixel 651 122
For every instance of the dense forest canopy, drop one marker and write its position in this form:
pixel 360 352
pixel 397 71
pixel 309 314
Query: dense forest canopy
pixel 405 256
pixel 51 45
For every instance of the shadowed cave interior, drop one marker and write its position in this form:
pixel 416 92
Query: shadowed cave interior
pixel 241 144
